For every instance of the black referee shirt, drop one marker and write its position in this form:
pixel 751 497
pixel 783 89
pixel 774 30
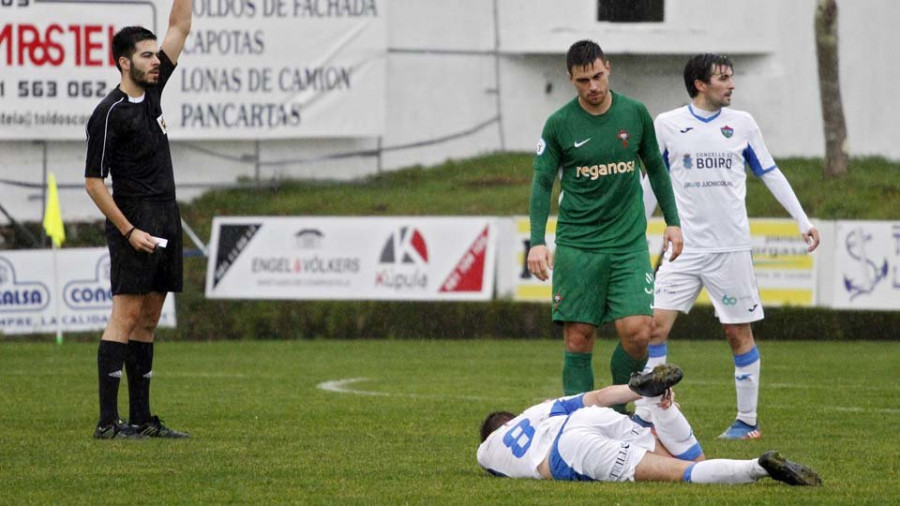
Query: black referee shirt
pixel 128 141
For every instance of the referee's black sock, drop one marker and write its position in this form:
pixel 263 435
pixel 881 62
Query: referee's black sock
pixel 110 356
pixel 139 366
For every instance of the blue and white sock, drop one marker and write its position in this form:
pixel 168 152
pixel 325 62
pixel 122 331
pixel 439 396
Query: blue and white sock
pixel 657 354
pixel 673 430
pixel 724 471
pixel 746 383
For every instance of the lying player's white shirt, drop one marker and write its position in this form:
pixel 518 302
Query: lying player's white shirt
pixel 706 159
pixel 516 449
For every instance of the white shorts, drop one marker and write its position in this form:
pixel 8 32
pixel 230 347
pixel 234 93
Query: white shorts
pixel 728 277
pixel 599 444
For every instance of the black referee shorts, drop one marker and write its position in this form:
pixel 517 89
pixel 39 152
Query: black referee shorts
pixel 135 272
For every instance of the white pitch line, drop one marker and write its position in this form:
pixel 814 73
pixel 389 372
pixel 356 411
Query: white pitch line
pixel 862 410
pixel 214 375
pixel 206 375
pixel 830 386
pixel 340 386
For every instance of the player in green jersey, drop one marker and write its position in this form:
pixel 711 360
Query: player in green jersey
pixel 598 142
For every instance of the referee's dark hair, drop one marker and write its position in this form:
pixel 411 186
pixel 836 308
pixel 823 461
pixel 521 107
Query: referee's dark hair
pixel 701 67
pixel 125 41
pixel 582 54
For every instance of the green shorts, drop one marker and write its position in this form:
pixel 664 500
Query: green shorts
pixel 592 287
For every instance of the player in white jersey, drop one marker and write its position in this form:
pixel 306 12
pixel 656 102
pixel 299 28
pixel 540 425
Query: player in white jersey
pixel 579 438
pixel 708 147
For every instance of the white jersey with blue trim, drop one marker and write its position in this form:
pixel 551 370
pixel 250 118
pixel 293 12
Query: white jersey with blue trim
pixel 707 157
pixel 516 449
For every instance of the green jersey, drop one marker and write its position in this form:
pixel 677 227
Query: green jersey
pixel 600 158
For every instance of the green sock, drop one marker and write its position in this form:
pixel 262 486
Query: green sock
pixel 621 364
pixel 578 374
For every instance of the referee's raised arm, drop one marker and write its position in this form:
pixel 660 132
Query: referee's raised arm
pixel 127 140
pixel 179 27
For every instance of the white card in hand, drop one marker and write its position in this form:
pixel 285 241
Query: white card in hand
pixel 160 242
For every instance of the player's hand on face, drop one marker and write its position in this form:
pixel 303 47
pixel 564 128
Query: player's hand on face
pixel 812 238
pixel 540 262
pixel 142 241
pixel 673 236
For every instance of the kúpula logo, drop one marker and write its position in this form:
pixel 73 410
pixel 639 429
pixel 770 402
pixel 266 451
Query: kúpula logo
pixel 866 273
pixel 403 252
pixel 405 248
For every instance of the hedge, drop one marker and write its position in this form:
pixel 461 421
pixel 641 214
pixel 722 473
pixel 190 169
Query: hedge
pixel 496 319
pixel 202 319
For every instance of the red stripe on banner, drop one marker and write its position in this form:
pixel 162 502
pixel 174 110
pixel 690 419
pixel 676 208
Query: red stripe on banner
pixel 418 242
pixel 468 276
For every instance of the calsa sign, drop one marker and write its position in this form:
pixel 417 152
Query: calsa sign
pixel 31 299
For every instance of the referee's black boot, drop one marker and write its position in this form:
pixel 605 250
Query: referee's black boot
pixel 117 430
pixel 155 428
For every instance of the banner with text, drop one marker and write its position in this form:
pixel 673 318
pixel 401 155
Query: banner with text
pixel 785 272
pixel 29 294
pixel 866 270
pixel 250 69
pixel 396 258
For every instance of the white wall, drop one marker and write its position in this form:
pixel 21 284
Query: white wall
pixel 442 80
pixel 690 26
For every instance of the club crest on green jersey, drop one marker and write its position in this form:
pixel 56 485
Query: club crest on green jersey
pixel 556 300
pixel 727 131
pixel 623 136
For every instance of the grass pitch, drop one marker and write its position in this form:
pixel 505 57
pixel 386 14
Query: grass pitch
pixel 265 431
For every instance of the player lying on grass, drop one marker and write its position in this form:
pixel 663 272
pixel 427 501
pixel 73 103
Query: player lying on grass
pixel 578 438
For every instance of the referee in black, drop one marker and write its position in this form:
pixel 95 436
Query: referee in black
pixel 127 140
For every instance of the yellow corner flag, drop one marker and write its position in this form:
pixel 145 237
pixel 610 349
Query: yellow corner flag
pixel 53 223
